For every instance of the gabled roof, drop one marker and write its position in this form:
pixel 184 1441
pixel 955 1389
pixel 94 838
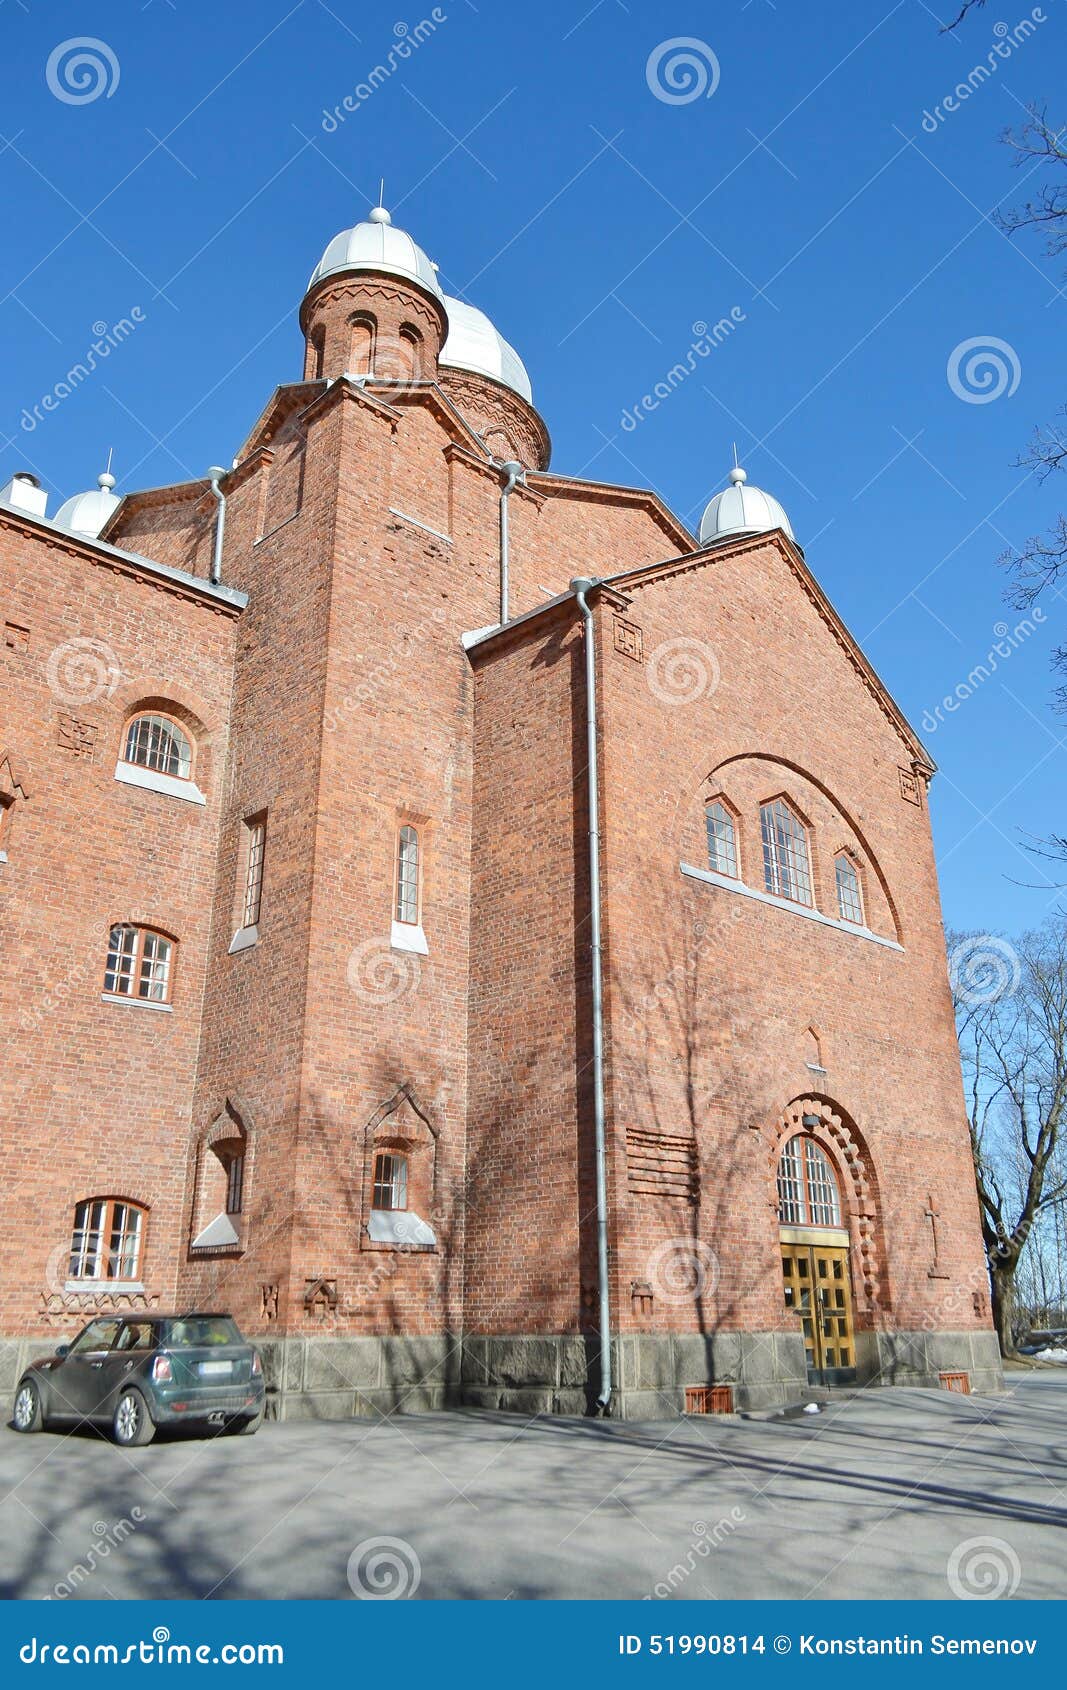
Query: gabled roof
pixel 626 582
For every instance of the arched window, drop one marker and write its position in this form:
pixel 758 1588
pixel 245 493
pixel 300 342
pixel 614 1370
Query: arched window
pixel 407 876
pixel 361 346
pixel 107 1239
pixel 807 1188
pixel 390 1181
pixel 849 896
pixel 722 839
pixel 138 963
pixel 158 743
pixel 786 862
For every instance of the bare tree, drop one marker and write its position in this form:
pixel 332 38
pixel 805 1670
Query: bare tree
pixel 1011 1016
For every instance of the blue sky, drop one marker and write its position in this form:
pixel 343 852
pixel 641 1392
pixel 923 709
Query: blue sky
pixel 529 151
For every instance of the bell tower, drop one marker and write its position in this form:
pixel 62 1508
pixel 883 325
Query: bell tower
pixel 373 307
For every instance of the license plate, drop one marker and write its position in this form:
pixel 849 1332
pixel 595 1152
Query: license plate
pixel 212 1369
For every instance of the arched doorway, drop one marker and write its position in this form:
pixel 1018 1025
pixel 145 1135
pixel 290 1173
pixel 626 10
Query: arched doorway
pixel 816 1270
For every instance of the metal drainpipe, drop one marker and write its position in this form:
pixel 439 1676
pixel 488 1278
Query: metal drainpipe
pixel 515 476
pixel 580 587
pixel 216 473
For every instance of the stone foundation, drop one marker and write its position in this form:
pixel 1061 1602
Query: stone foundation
pixel 325 1378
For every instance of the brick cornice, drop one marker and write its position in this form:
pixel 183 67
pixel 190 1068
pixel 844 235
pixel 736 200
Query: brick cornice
pixel 222 601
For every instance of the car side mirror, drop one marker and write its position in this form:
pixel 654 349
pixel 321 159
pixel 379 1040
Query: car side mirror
pixel 62 1350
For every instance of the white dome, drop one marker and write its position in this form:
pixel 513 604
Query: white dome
pixel 376 245
pixel 87 513
pixel 474 344
pixel 740 509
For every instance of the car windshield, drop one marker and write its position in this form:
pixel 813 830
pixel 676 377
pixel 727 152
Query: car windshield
pixel 197 1331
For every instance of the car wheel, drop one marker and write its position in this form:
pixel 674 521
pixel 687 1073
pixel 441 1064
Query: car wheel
pixel 132 1425
pixel 28 1414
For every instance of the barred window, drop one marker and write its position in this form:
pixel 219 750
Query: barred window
pixel 235 1180
pixel 255 851
pixel 849 898
pixel 157 742
pixel 807 1188
pixel 138 963
pixel 722 840
pixel 390 1181
pixel 107 1239
pixel 786 862
pixel 407 876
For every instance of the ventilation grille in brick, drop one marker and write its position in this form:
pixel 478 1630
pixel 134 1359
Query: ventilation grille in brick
pixel 661 1165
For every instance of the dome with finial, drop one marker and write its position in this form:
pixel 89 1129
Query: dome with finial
pixel 740 509
pixel 377 245
pixel 87 513
pixel 474 344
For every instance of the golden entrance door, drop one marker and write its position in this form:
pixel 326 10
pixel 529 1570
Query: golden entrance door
pixel 818 1290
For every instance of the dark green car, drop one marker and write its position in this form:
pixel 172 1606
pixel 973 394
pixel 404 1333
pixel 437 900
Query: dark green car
pixel 134 1374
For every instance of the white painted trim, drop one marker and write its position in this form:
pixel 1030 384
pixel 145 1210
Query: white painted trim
pixel 137 1003
pixel 730 885
pixel 3 856
pixel 114 1287
pixel 153 780
pixel 404 936
pixel 243 940
pixel 425 526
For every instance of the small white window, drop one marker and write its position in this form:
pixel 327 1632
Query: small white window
pixel 407 876
pixel 106 1241
pixel 158 743
pixel 849 898
pixel 255 847
pixel 390 1181
pixel 722 840
pixel 138 964
pixel 786 863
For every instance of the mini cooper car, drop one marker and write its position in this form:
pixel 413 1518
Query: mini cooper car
pixel 135 1374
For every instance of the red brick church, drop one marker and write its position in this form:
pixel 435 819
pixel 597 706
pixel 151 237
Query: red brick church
pixel 449 913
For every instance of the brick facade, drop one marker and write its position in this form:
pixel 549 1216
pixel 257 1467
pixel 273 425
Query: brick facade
pixel 328 691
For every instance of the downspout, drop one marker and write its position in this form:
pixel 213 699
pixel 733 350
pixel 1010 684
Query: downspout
pixel 515 476
pixel 216 473
pixel 580 587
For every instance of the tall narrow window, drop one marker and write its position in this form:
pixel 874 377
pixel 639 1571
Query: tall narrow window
pixel 155 742
pixel 390 1181
pixel 7 806
pixel 138 964
pixel 722 841
pixel 407 876
pixel 849 898
pixel 107 1239
pixel 235 1180
pixel 786 863
pixel 255 850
